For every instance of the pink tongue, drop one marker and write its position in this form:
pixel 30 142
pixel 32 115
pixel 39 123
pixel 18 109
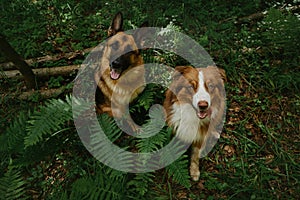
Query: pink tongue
pixel 202 115
pixel 114 74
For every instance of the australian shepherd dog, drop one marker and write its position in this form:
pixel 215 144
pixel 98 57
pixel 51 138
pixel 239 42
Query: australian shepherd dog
pixel 195 106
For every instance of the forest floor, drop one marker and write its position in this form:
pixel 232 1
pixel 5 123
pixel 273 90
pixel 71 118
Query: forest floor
pixel 258 154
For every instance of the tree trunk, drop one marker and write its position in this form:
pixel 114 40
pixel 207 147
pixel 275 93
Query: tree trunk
pixel 8 52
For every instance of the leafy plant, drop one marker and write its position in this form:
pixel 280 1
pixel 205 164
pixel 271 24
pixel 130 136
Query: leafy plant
pixel 12 185
pixel 55 81
pixel 281 33
pixel 50 121
pixel 257 154
pixel 47 121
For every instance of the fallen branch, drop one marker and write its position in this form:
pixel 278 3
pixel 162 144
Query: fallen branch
pixel 252 17
pixel 70 55
pixel 40 94
pixel 44 72
pixel 261 15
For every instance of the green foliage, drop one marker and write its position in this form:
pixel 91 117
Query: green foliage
pixel 261 58
pixel 12 140
pixel 139 186
pixel 178 170
pixel 103 184
pixel 145 99
pixel 55 81
pixel 48 120
pixel 153 136
pixel 43 26
pixel 281 33
pixel 12 185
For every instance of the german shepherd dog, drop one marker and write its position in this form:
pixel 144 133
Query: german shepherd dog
pixel 120 77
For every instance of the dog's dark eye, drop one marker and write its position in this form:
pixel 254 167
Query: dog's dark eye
pixel 211 86
pixel 190 87
pixel 177 89
pixel 128 48
pixel 115 45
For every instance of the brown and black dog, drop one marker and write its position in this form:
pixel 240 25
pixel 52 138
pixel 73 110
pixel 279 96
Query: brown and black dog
pixel 120 77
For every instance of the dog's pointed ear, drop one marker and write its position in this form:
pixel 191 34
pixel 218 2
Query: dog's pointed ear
pixel 141 34
pixel 144 24
pixel 116 24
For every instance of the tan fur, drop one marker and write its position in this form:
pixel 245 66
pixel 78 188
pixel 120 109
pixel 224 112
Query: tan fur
pixel 117 94
pixel 180 95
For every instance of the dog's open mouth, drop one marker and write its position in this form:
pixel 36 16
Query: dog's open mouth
pixel 202 114
pixel 115 74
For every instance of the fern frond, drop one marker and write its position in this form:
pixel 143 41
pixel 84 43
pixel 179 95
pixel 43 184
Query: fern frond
pixel 104 184
pixel 12 185
pixel 150 144
pixel 109 127
pixel 153 135
pixel 140 185
pixel 178 170
pixel 13 138
pixel 146 98
pixel 47 120
pixel 102 136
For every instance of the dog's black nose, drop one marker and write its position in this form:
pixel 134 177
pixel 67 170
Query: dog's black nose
pixel 116 64
pixel 203 105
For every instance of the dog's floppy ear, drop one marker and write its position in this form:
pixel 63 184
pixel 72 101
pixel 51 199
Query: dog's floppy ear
pixel 177 78
pixel 220 71
pixel 116 24
pixel 223 74
pixel 179 71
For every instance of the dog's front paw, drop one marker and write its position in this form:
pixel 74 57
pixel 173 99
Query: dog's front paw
pixel 194 169
pixel 195 175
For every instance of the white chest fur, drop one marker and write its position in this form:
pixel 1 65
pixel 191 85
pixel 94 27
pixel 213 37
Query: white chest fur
pixel 185 122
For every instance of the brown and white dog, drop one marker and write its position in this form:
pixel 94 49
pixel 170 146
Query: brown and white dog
pixel 120 76
pixel 195 106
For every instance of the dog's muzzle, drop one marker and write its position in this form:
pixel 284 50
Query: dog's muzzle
pixel 203 110
pixel 120 64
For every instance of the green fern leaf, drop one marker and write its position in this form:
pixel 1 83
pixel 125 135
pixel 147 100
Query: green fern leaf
pixel 47 120
pixel 153 143
pixel 12 140
pixel 146 98
pixel 179 171
pixel 109 127
pixel 12 185
pixel 106 183
pixel 153 134
pixel 140 185
pixel 102 136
